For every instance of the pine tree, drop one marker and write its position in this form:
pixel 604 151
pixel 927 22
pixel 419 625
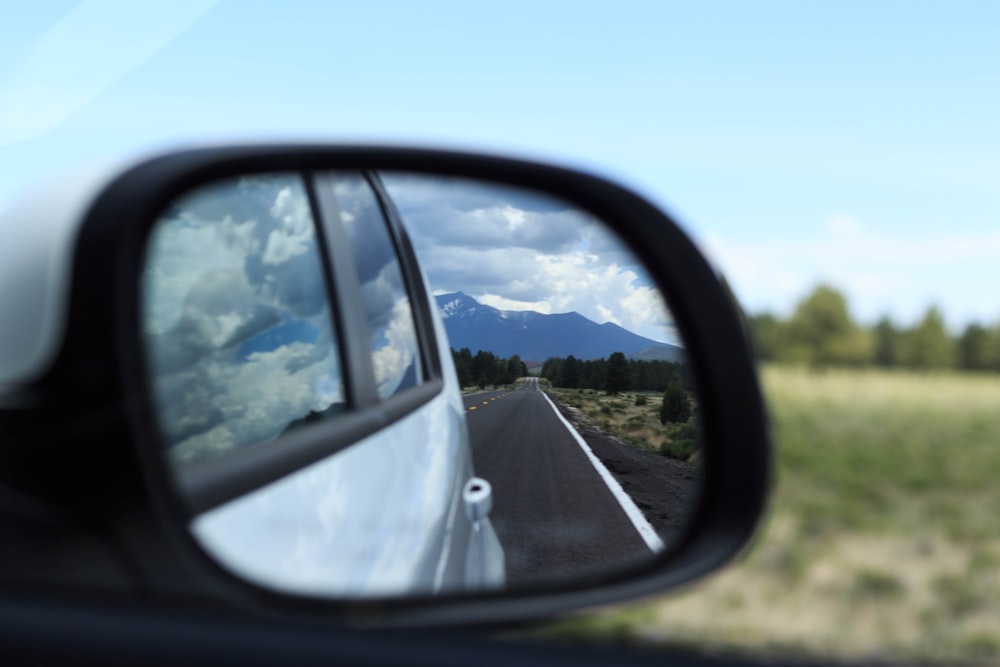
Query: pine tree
pixel 676 407
pixel 617 378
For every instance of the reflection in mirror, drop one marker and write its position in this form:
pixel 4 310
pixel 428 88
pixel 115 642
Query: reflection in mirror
pixel 579 406
pixel 236 318
pixel 383 294
pixel 279 316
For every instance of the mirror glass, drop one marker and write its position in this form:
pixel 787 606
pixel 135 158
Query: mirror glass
pixel 388 384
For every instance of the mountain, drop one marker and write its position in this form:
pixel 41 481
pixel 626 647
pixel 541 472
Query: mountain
pixel 659 352
pixel 536 336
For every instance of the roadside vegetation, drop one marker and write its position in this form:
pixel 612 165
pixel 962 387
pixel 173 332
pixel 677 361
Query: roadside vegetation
pixel 647 403
pixel 639 417
pixel 630 416
pixel 883 537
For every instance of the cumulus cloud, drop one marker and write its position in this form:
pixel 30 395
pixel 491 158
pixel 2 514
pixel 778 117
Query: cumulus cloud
pixel 398 353
pixel 293 235
pixel 463 213
pixel 520 250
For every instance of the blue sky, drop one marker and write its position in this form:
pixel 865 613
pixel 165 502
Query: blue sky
pixel 857 144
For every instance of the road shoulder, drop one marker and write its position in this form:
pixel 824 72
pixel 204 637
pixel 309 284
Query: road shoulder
pixel 665 489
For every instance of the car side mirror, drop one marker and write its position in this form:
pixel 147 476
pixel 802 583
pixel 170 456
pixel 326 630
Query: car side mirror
pixel 409 386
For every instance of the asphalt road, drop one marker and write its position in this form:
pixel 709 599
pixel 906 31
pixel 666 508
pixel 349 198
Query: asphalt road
pixel 552 511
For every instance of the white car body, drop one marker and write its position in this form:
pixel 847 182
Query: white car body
pixel 397 512
pixel 387 516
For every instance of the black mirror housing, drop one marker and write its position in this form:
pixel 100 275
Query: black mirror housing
pixel 119 489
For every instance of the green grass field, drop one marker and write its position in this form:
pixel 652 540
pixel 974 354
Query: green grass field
pixel 883 537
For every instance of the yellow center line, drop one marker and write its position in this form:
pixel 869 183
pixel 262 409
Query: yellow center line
pixel 472 407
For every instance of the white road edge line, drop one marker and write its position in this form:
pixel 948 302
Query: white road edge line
pixel 632 511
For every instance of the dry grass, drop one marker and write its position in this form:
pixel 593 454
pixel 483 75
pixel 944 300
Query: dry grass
pixel 633 416
pixel 619 414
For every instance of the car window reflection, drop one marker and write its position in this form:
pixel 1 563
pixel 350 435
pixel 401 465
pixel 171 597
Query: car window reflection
pixel 236 318
pixel 387 307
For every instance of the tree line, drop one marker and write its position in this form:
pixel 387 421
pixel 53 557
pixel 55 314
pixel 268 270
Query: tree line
pixel 820 332
pixel 615 374
pixel 618 373
pixel 485 368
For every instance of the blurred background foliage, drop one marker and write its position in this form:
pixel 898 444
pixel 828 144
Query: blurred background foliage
pixel 820 333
